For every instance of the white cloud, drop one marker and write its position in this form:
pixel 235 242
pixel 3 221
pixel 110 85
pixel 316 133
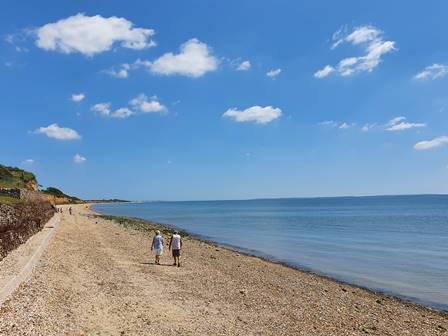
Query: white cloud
pixel 59 133
pixel 121 113
pixel 90 35
pixel 122 72
pixel 405 125
pixel 429 144
pixel 257 114
pixel 194 60
pixel 141 104
pixel 273 73
pixel 394 121
pixel 16 40
pixel 105 109
pixel 400 124
pixel 434 71
pixel 243 66
pixel 138 105
pixel 139 63
pixel 368 127
pixel 77 97
pixel 79 159
pixel 374 46
pixel 28 161
pixel 363 34
pixel 9 38
pixel 395 124
pixel 344 125
pixel 334 124
pixel 327 70
pixel 328 123
pixel 102 108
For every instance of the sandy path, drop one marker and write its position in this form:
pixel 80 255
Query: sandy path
pixel 97 278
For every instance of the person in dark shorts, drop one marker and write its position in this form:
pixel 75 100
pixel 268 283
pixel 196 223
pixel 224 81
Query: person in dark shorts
pixel 176 246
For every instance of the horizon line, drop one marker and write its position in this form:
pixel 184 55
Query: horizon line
pixel 292 197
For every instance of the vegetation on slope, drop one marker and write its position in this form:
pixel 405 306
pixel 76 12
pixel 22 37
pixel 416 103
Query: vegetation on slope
pixel 59 194
pixel 9 200
pixel 12 177
pixel 16 178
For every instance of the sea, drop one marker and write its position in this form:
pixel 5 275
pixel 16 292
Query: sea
pixel 397 245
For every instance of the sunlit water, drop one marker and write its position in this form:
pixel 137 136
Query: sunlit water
pixel 395 244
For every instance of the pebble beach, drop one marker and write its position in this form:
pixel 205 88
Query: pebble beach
pixel 97 277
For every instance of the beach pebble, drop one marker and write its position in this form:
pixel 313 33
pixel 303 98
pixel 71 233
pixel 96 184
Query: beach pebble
pixel 369 330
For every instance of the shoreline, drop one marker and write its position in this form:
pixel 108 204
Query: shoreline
pixel 409 301
pixel 98 277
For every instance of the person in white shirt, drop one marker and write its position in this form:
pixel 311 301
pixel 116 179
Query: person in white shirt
pixel 175 246
pixel 157 246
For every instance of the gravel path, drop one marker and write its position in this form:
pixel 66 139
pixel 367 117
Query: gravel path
pixel 97 278
pixel 19 266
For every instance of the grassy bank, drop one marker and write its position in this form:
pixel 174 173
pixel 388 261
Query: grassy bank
pixel 9 200
pixel 12 177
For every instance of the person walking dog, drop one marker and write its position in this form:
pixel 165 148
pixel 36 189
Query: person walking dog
pixel 175 246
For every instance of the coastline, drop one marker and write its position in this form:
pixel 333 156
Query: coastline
pixel 255 254
pixel 443 309
pixel 99 277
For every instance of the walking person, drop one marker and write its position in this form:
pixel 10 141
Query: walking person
pixel 175 246
pixel 157 246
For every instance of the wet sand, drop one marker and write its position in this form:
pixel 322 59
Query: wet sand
pixel 98 278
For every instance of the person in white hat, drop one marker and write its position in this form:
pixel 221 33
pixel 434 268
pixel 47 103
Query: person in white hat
pixel 157 246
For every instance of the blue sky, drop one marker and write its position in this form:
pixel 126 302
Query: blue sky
pixel 179 100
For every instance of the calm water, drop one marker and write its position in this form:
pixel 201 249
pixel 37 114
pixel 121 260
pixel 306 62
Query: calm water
pixel 395 244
